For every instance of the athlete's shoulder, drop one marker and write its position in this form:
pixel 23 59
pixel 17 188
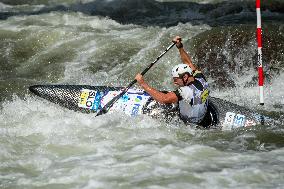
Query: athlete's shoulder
pixel 198 74
pixel 185 92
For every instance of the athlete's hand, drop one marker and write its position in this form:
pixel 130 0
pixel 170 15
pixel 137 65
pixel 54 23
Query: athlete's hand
pixel 177 40
pixel 139 78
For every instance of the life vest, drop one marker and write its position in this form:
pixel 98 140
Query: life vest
pixel 193 104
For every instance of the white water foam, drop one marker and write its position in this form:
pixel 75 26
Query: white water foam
pixel 249 96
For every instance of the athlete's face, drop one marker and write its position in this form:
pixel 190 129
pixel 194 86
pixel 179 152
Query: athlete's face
pixel 178 81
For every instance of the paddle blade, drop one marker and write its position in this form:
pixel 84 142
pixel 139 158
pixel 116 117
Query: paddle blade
pixel 106 108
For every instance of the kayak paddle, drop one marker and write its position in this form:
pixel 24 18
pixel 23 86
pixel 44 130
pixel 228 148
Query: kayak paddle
pixel 106 108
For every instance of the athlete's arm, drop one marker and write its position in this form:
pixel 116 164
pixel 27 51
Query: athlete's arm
pixel 186 59
pixel 165 98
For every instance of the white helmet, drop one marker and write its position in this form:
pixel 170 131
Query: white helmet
pixel 181 69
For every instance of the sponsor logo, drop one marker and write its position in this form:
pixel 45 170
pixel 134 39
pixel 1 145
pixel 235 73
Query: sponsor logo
pixel 125 97
pixel 87 98
pixel 259 60
pixel 138 99
pixel 239 120
pixel 229 119
pixel 90 99
pixel 97 102
pixel 250 123
pixel 204 95
pixel 233 120
pixel 135 110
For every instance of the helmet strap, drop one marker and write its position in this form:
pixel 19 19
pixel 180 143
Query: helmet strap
pixel 184 82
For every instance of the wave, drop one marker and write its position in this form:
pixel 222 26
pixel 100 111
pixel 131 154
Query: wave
pixel 71 47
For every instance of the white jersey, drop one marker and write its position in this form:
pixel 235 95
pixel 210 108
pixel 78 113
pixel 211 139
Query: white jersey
pixel 193 100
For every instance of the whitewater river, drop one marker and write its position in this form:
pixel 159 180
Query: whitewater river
pixel 43 145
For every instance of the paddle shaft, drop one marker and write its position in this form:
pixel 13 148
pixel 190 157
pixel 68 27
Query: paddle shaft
pixel 116 98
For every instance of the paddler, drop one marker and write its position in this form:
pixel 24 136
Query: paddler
pixel 192 93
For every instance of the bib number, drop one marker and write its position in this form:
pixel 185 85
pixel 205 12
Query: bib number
pixel 204 95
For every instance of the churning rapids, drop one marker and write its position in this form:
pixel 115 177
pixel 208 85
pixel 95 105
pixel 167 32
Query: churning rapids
pixel 106 42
